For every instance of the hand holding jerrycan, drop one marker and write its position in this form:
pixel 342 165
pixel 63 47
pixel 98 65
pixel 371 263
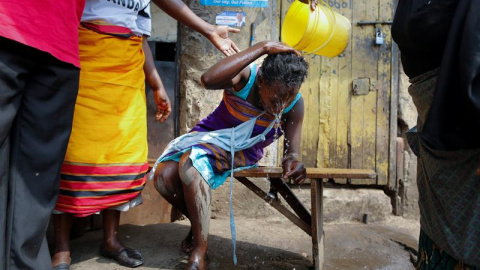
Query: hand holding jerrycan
pixel 323 31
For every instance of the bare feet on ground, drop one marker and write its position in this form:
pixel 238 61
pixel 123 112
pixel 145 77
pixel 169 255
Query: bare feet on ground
pixel 188 243
pixel 197 261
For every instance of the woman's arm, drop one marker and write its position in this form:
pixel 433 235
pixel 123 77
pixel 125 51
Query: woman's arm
pixel 292 167
pixel 218 35
pixel 229 71
pixel 155 82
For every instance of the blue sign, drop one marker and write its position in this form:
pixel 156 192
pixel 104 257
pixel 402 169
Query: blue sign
pixel 231 18
pixel 236 3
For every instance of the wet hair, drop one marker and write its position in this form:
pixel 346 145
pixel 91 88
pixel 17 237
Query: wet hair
pixel 285 68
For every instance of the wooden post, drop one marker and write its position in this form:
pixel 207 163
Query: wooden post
pixel 317 224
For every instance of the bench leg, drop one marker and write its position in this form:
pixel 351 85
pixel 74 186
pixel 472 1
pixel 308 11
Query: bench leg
pixel 291 199
pixel 306 227
pixel 317 224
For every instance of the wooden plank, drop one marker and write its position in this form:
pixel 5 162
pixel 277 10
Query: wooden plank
pixel 358 71
pixel 323 118
pixel 310 127
pixel 277 172
pixel 317 224
pixel 395 66
pixel 397 201
pixel 276 204
pixel 339 154
pixel 279 185
pixel 312 173
pixel 370 105
pixel 363 108
pixel 383 95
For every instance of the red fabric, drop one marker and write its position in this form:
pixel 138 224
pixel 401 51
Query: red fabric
pixel 86 190
pixel 114 30
pixel 97 170
pixel 47 25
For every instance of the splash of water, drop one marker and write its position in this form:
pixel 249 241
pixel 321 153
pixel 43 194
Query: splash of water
pixel 277 125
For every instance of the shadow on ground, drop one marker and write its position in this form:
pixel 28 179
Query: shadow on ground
pixel 160 246
pixel 261 244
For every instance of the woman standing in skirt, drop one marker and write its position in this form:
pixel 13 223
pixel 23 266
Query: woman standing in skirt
pixel 106 160
pixel 440 45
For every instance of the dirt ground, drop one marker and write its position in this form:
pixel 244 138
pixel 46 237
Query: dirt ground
pixel 273 243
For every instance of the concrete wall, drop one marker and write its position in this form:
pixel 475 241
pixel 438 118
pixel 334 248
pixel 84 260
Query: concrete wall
pixel 407 117
pixel 164 28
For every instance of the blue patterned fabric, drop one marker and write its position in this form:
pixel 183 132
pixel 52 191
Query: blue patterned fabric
pixel 432 257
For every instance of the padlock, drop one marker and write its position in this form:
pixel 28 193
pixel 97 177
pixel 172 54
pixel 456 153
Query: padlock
pixel 379 38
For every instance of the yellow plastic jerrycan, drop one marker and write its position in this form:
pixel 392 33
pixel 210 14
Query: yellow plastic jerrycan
pixel 323 31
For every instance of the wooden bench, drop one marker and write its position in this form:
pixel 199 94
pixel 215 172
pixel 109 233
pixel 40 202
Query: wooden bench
pixel 312 223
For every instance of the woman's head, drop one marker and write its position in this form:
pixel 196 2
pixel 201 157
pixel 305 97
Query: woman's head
pixel 279 80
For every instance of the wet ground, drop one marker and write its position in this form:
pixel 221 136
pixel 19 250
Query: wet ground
pixel 263 244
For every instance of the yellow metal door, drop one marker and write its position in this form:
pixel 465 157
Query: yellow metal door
pixel 348 98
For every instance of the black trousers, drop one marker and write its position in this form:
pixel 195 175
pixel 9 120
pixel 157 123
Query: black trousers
pixel 37 99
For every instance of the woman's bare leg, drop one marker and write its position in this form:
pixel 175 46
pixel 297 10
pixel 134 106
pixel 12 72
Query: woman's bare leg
pixel 63 225
pixel 111 221
pixel 197 194
pixel 167 182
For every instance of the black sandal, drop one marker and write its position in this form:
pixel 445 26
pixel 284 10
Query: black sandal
pixel 62 266
pixel 127 257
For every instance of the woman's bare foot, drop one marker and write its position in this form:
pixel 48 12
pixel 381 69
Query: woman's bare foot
pixel 188 243
pixel 197 261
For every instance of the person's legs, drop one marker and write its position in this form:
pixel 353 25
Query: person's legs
pixel 38 140
pixel 167 182
pixel 63 225
pixel 197 194
pixel 12 87
pixel 111 245
pixel 111 221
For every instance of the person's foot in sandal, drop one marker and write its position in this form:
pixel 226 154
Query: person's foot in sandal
pixel 61 260
pixel 127 256
pixel 112 247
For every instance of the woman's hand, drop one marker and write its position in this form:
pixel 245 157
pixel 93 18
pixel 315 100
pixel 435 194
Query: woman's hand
pixel 219 38
pixel 274 47
pixel 292 168
pixel 313 3
pixel 163 104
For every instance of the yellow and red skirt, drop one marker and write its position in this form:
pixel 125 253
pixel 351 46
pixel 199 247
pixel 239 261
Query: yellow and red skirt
pixel 106 159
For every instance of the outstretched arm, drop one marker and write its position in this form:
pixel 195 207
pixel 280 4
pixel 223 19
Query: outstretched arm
pixel 231 70
pixel 155 82
pixel 292 167
pixel 218 35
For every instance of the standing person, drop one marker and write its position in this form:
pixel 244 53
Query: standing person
pixel 39 73
pixel 439 42
pixel 106 160
pixel 255 104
